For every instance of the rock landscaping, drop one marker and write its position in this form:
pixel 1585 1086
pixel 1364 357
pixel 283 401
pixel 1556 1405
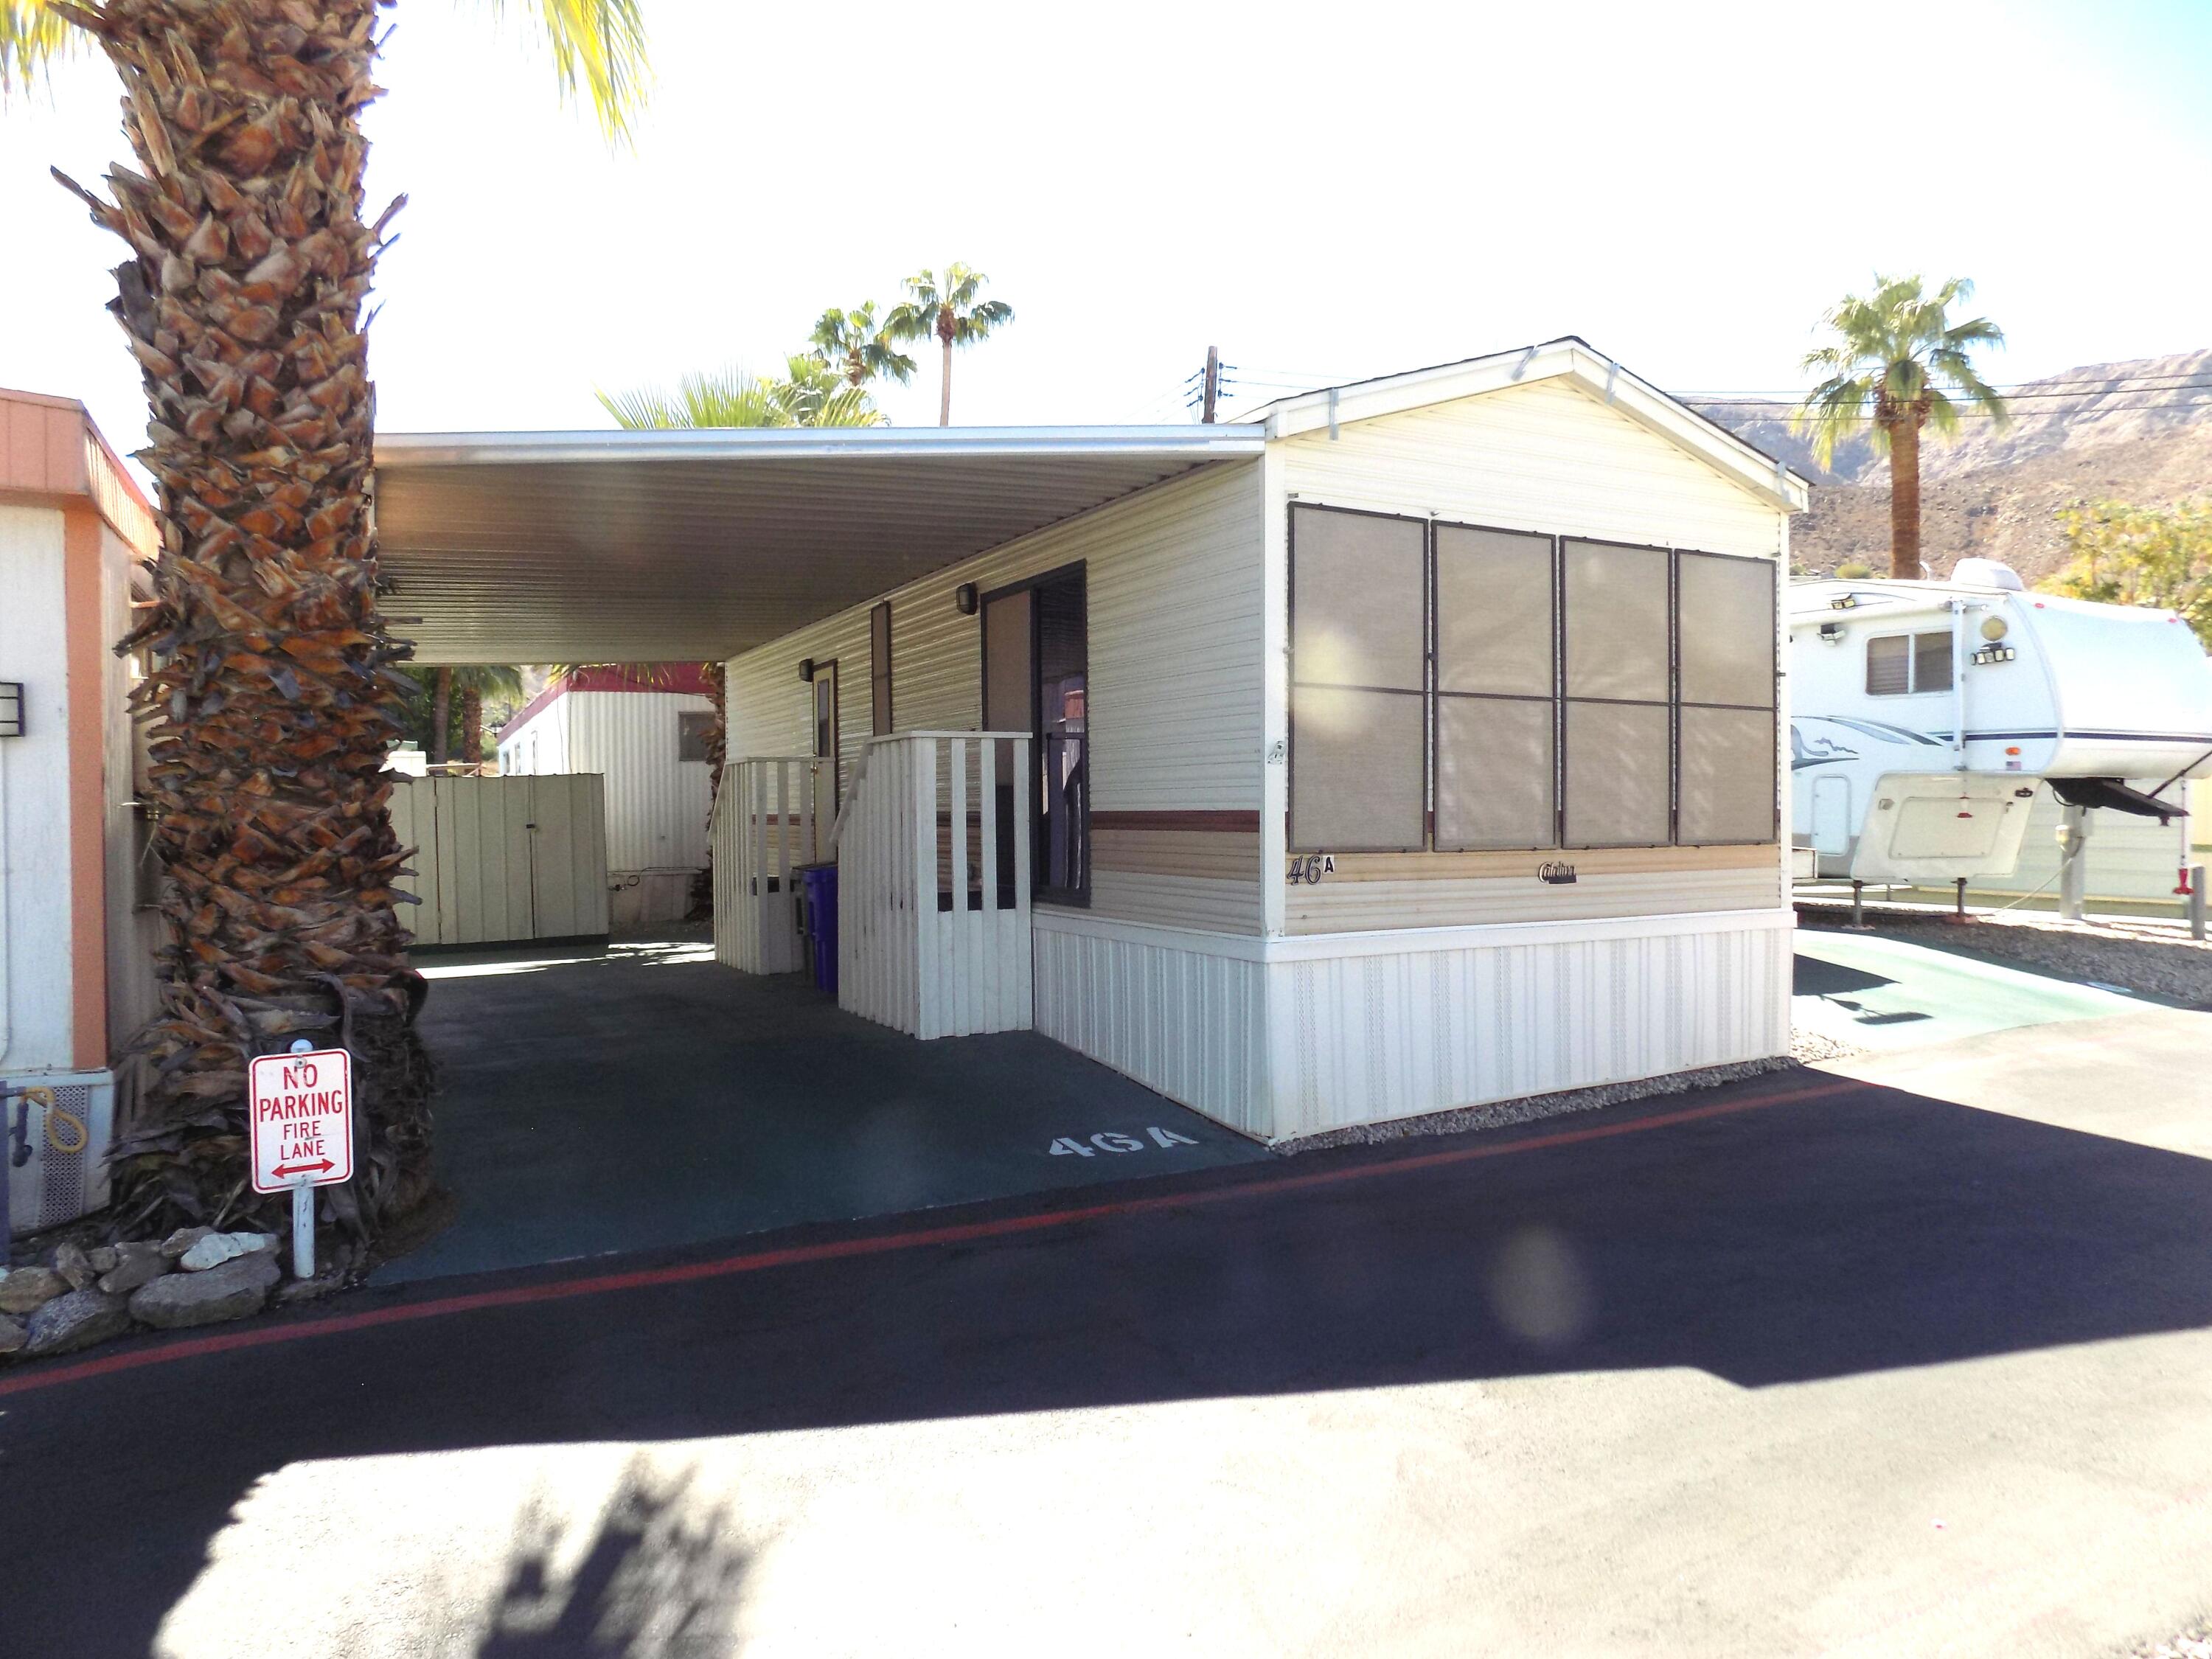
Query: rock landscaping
pixel 196 1276
pixel 2144 955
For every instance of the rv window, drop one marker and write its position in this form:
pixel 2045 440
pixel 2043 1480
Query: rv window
pixel 693 727
pixel 1889 665
pixel 1931 661
pixel 1901 665
pixel 1358 680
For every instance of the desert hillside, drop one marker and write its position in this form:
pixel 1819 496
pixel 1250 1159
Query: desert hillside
pixel 2138 432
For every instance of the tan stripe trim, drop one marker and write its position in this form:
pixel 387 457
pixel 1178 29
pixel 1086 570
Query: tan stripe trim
pixel 1233 823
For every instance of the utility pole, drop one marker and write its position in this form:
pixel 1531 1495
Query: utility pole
pixel 1212 382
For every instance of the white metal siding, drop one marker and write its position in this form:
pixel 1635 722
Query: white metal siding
pixel 1548 457
pixel 498 858
pixel 656 804
pixel 36 974
pixel 1506 1012
pixel 1173 579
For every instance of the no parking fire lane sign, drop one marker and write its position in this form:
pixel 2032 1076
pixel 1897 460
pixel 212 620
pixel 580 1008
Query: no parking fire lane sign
pixel 300 1119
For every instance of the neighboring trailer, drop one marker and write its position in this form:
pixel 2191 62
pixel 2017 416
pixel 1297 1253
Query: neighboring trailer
pixel 76 937
pixel 645 733
pixel 1927 713
pixel 1428 756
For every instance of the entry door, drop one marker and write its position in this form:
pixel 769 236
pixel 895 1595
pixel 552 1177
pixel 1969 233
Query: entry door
pixel 1831 815
pixel 1036 679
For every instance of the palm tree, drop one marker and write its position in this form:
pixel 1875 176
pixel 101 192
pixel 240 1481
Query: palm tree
pixel 275 693
pixel 1900 361
pixel 476 682
pixel 945 308
pixel 811 393
pixel 853 338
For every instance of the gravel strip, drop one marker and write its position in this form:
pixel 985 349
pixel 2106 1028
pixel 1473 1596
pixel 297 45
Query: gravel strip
pixel 1498 1114
pixel 2147 956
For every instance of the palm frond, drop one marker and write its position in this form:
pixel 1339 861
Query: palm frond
pixel 1897 356
pixel 599 48
pixel 33 34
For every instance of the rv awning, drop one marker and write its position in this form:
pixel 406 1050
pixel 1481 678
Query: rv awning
pixel 690 546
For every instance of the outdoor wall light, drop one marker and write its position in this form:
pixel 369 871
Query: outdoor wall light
pixel 964 597
pixel 1849 602
pixel 11 709
pixel 1831 633
pixel 806 670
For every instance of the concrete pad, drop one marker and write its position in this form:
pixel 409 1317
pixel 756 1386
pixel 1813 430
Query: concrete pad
pixel 641 1095
pixel 2139 1076
pixel 1887 995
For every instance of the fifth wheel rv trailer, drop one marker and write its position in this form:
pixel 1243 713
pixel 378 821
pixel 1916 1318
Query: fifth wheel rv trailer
pixel 1925 714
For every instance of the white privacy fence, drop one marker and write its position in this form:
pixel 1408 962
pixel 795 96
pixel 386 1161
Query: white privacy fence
pixel 933 883
pixel 763 832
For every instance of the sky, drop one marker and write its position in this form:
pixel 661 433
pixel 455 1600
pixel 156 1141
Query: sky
pixel 1323 193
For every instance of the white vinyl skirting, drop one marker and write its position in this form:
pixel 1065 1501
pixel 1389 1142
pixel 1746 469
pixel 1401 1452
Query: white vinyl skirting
pixel 1281 1038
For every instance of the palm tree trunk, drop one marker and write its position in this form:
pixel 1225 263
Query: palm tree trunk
pixel 1905 497
pixel 273 700
pixel 473 724
pixel 441 719
pixel 944 401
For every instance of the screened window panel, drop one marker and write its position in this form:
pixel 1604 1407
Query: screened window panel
pixel 1356 781
pixel 1616 622
pixel 1727 629
pixel 1727 776
pixel 1494 774
pixel 1889 665
pixel 692 728
pixel 1493 611
pixel 1931 662
pixel 1358 588
pixel 1619 773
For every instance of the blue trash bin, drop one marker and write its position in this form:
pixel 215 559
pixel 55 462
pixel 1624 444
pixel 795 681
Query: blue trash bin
pixel 821 881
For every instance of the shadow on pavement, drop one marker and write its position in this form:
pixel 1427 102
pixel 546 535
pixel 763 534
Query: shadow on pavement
pixel 1842 1230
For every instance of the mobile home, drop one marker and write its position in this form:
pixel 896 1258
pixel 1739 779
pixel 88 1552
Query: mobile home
pixel 1415 747
pixel 645 733
pixel 76 968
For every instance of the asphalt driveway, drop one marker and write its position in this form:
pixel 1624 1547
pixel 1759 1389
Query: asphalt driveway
pixel 1804 1365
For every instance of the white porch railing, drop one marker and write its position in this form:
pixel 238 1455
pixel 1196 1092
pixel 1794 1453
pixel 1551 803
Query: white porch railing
pixel 763 830
pixel 934 930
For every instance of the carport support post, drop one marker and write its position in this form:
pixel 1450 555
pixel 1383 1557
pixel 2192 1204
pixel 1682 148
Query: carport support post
pixel 303 1231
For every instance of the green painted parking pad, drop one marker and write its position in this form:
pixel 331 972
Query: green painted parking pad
pixel 640 1094
pixel 1876 992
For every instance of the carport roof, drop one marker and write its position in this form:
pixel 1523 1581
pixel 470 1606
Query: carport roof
pixel 652 546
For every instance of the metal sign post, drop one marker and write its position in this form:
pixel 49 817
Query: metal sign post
pixel 299 1117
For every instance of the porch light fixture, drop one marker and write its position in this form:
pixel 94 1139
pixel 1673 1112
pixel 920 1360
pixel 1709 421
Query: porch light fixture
pixel 1849 602
pixel 11 709
pixel 1831 633
pixel 964 597
pixel 806 670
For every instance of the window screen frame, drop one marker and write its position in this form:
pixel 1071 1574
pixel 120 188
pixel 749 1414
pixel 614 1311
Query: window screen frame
pixel 1422 759
pixel 1771 708
pixel 1437 694
pixel 1671 702
pixel 879 669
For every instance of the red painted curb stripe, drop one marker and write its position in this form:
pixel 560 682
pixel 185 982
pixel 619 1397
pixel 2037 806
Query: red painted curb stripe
pixel 881 1244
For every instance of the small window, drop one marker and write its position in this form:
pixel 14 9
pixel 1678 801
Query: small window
pixel 693 728
pixel 1901 665
pixel 879 669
